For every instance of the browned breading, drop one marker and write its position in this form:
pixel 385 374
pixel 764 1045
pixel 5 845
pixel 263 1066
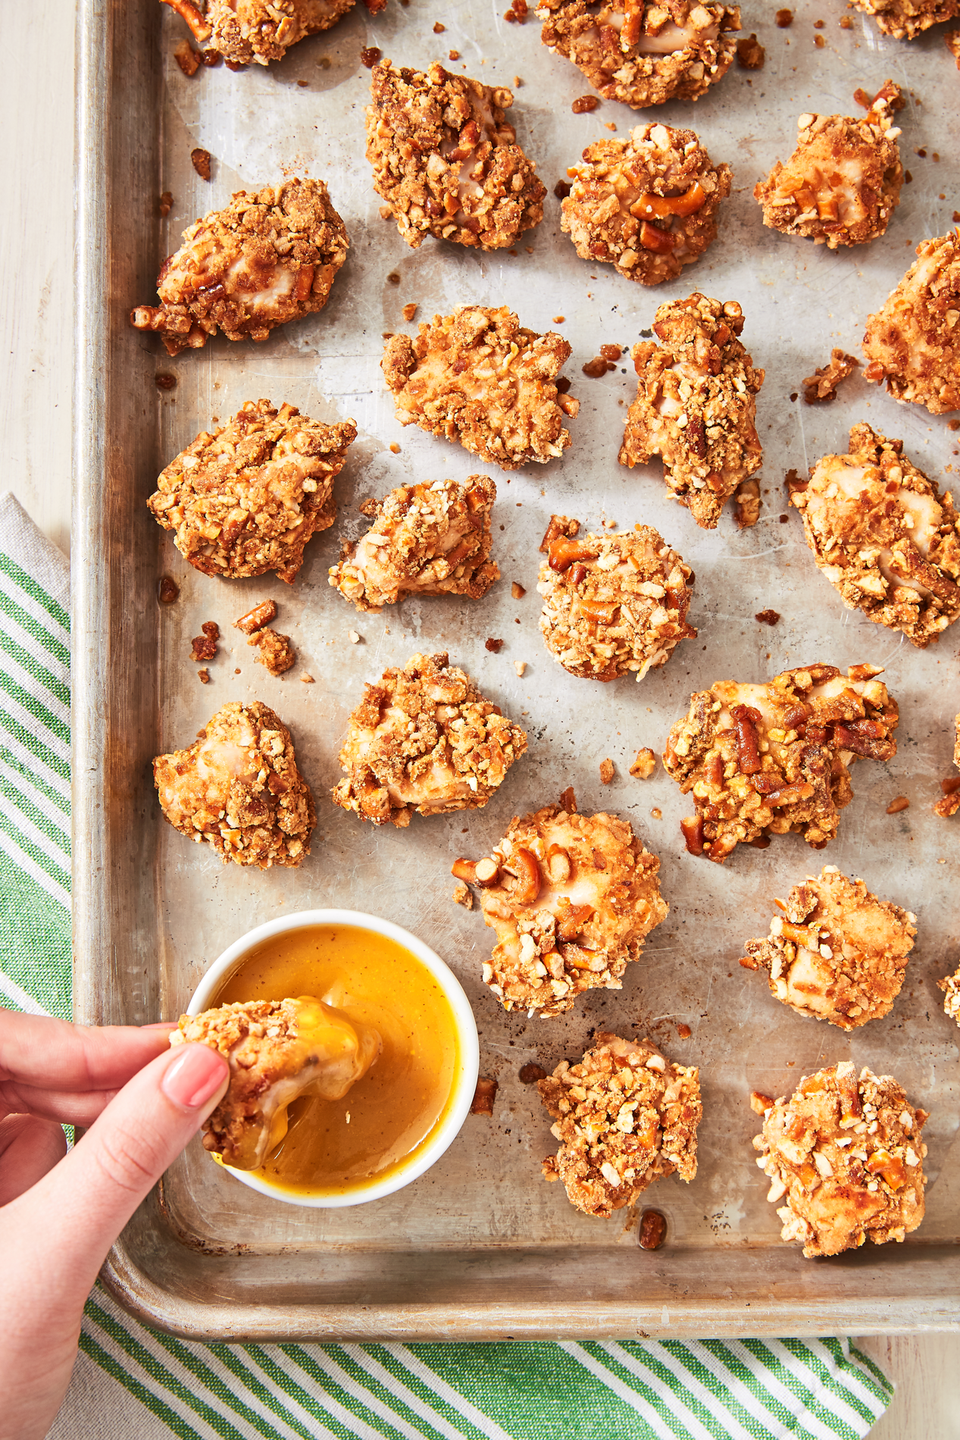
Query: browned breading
pixel 273 650
pixel 424 740
pixel 446 160
pixel 774 757
pixel 237 787
pixel 842 183
pixel 432 538
pixel 837 952
pixel 614 603
pixel 949 804
pixel 695 404
pixel 905 19
pixel 479 378
pixel 644 764
pixel 257 31
pixel 952 41
pixel 572 899
pixel 950 985
pixel 884 536
pixel 277 1050
pixel 821 386
pixel 846 1157
pixel 625 1117
pixel 268 257
pixel 646 205
pixel 913 342
pixel 644 52
pixel 247 497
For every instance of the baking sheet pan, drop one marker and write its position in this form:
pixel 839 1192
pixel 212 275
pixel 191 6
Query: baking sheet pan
pixel 481 1247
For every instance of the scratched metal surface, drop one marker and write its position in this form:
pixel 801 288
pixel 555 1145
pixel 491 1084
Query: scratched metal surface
pixel 306 115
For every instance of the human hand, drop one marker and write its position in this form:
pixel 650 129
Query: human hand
pixel 61 1213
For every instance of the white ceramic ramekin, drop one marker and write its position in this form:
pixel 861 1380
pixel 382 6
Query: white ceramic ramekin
pixel 464 1086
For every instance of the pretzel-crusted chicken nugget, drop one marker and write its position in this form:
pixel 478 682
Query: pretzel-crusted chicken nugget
pixel 247 498
pixel 913 342
pixel 949 804
pixel 572 899
pixel 643 52
pixel 268 257
pixel 277 1050
pixel 846 1157
pixel 479 378
pixel 842 183
pixel 905 19
pixel 614 603
pixel 428 539
pixel 884 536
pixel 446 160
pixel 237 787
pixel 625 1117
pixel 695 404
pixel 424 739
pixel 837 952
pixel 245 31
pixel 773 758
pixel 950 985
pixel 647 205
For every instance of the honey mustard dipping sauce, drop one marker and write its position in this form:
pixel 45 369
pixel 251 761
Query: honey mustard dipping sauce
pixel 386 1118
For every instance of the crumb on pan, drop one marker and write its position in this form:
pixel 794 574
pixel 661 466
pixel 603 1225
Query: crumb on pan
pixel 836 952
pixel 695 405
pixel 625 1116
pixel 842 183
pixel 913 341
pixel 647 204
pixel 256 618
pixel 821 386
pixel 274 651
pixel 846 1158
pixel 772 758
pixel 268 257
pixel 479 378
pixel 644 764
pixel 641 52
pixel 237 788
pixel 247 497
pixel 484 1096
pixel 446 159
pixel 276 1050
pixel 572 899
pixel 463 896
pixel 884 535
pixel 746 503
pixel 750 53
pixel 431 538
pixel 424 740
pixel 204 647
pixel 248 32
pixel 607 771
pixel 613 604
pixel 905 19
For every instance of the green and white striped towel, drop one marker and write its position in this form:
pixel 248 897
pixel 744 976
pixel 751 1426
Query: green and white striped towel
pixel 131 1382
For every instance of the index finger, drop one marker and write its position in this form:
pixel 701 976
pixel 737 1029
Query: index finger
pixel 49 1054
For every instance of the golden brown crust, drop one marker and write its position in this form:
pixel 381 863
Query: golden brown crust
pixel 625 1117
pixel 884 536
pixel 433 538
pixel 446 160
pixel 237 787
pixel 695 404
pixel 647 205
pixel 836 952
pixel 821 387
pixel 424 740
pixel 949 803
pixel 644 52
pixel 950 985
pixel 479 378
pixel 952 41
pixel 572 899
pixel 813 722
pixel 846 1157
pixel 613 604
pixel 247 497
pixel 905 19
pixel 274 650
pixel 842 183
pixel 268 257
pixel 913 342
pixel 258 31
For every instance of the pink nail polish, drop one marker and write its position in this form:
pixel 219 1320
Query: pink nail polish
pixel 195 1075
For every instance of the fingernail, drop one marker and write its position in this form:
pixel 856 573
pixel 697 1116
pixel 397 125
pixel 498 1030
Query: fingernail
pixel 195 1075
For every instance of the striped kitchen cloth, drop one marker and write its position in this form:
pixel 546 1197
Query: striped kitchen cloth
pixel 132 1382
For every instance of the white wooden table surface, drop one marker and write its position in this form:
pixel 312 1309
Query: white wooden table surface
pixel 36 313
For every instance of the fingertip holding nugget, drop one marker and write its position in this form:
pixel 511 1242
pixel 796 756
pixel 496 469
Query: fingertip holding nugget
pixel 625 1117
pixel 845 1156
pixel 913 341
pixel 268 257
pixel 836 953
pixel 695 405
pixel 238 789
